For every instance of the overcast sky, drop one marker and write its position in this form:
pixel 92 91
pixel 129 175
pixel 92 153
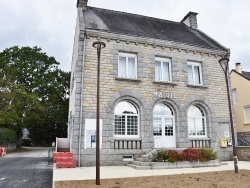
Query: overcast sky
pixel 50 24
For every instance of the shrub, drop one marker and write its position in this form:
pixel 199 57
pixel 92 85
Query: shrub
pixel 26 142
pixel 191 154
pixel 174 156
pixel 162 155
pixel 208 154
pixel 7 135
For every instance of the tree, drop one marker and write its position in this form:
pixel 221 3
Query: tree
pixel 7 135
pixel 36 93
pixel 15 102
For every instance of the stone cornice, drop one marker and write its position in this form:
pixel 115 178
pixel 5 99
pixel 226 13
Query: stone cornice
pixel 150 42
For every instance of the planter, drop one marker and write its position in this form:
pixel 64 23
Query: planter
pixel 184 164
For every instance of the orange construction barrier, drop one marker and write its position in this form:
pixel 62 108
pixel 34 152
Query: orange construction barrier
pixel 64 160
pixel 2 151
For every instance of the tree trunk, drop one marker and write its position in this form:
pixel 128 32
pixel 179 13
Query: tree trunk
pixel 19 138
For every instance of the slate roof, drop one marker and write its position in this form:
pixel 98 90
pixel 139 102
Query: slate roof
pixel 137 25
pixel 244 74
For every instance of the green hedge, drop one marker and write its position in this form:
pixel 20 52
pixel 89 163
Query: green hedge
pixel 26 142
pixel 7 135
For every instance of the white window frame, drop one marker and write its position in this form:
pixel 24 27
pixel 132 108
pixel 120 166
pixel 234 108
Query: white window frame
pixel 127 55
pixel 126 125
pixel 163 121
pixel 234 96
pixel 168 60
pixel 193 64
pixel 196 117
pixel 247 116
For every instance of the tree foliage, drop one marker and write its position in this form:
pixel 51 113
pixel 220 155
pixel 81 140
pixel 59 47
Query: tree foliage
pixel 34 94
pixel 7 135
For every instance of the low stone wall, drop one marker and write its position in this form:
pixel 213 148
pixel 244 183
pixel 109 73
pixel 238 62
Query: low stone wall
pixel 9 146
pixel 184 164
pixel 243 153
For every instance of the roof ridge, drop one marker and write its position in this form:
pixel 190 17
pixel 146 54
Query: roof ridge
pixel 137 15
pixel 233 70
pixel 246 71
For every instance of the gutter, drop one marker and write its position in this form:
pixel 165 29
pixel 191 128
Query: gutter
pixel 80 131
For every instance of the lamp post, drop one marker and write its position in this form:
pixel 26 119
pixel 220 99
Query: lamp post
pixel 98 45
pixel 224 64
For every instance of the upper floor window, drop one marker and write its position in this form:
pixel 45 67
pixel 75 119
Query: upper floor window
pixel 162 69
pixel 247 114
pixel 196 122
pixel 126 119
pixel 234 94
pixel 194 73
pixel 127 65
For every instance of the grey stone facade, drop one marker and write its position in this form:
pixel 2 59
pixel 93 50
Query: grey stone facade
pixel 211 96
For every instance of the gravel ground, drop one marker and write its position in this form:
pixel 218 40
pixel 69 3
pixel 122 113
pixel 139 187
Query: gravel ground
pixel 223 179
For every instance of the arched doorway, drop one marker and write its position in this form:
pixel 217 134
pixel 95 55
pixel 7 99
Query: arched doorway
pixel 163 127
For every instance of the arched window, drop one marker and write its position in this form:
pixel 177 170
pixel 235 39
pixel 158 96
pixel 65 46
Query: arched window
pixel 196 122
pixel 163 120
pixel 126 119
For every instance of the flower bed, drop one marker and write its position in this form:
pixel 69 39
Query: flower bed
pixel 190 154
pixel 188 158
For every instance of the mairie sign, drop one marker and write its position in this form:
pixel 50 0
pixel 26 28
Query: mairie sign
pixel 165 95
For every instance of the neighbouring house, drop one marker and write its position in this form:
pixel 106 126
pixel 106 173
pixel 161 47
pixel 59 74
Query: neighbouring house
pixel 161 87
pixel 240 84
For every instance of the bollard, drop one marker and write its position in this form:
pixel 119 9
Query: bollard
pixel 49 155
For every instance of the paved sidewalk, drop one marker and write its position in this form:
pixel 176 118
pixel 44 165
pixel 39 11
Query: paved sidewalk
pixel 31 152
pixel 108 172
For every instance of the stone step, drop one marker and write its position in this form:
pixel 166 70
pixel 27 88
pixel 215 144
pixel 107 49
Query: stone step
pixel 139 163
pixel 138 159
pixel 139 167
pixel 142 158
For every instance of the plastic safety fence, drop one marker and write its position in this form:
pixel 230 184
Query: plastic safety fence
pixel 2 151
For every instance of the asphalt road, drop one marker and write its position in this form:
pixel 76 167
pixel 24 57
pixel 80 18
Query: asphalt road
pixel 28 169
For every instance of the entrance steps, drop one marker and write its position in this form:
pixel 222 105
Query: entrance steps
pixel 143 162
pixel 140 165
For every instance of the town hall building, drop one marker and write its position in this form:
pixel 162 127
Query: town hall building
pixel 161 86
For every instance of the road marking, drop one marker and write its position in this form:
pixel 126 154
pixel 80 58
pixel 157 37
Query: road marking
pixel 1 179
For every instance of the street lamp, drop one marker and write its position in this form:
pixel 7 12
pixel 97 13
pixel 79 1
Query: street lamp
pixel 224 64
pixel 98 45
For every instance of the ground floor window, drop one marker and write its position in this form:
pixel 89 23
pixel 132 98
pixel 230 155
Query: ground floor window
pixel 196 122
pixel 126 119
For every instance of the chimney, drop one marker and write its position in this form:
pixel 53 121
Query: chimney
pixel 190 20
pixel 238 67
pixel 82 4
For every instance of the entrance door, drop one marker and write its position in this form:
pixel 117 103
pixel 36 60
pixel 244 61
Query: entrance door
pixel 164 128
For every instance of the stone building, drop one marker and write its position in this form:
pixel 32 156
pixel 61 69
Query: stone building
pixel 161 87
pixel 240 83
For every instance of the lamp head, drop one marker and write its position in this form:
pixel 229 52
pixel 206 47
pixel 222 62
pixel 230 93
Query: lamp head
pixel 224 63
pixel 99 44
